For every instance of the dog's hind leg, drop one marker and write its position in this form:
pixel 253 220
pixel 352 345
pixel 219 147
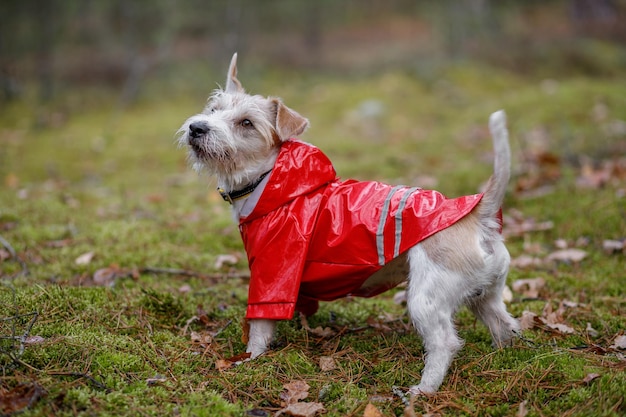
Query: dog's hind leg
pixel 489 307
pixel 433 298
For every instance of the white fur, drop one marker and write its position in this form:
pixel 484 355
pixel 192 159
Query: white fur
pixel 466 263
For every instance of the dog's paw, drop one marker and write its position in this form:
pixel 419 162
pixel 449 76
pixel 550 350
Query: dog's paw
pixel 254 352
pixel 422 389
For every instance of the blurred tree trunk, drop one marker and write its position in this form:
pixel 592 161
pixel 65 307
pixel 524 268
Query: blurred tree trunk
pixel 9 88
pixel 45 13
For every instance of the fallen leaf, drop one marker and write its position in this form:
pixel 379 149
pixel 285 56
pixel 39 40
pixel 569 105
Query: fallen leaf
pixel 327 363
pixel 619 342
pixel 4 254
pixel 302 409
pixel 107 276
pixel 201 338
pixel 294 392
pixel 240 358
pixel 377 324
pixel 19 398
pixel 529 288
pixel 561 328
pixel 614 246
pixel 567 255
pixel 561 243
pixel 372 411
pixel 85 258
pixel 223 364
pixel 34 340
pixel 203 316
pixel 522 410
pixel 318 331
pixel 529 320
pixel 507 294
pixel 591 331
pixel 224 259
pixel 400 297
pixel 590 377
pixel 184 289
pixel 526 262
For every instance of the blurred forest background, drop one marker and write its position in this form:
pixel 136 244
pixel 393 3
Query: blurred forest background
pixel 114 243
pixel 51 47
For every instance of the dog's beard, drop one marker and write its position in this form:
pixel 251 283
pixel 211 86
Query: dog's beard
pixel 208 151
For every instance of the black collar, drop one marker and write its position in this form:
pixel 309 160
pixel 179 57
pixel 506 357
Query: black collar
pixel 230 197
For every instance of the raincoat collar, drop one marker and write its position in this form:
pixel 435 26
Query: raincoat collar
pixel 300 169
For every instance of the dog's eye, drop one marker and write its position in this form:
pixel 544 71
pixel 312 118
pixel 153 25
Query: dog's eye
pixel 247 123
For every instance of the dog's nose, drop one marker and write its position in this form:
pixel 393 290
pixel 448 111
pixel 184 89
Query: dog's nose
pixel 197 129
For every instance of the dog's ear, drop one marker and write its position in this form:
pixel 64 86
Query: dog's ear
pixel 288 122
pixel 232 83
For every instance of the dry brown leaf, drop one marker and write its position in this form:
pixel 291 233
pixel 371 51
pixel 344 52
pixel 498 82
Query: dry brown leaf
pixel 245 332
pixel 591 331
pixel 372 411
pixel 294 391
pixel 378 325
pixel 302 410
pixel 619 342
pixel 529 288
pixel 201 338
pixel 184 289
pixel 400 297
pixel 327 363
pixel 107 276
pixel 567 255
pixel 19 398
pixel 590 377
pixel 516 224
pixel 614 246
pixel 225 259
pixel 526 262
pixel 318 331
pixel 561 328
pixel 223 364
pixel 85 258
pixel 34 340
pixel 529 320
pixel 522 410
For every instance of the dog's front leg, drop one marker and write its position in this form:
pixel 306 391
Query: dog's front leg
pixel 260 336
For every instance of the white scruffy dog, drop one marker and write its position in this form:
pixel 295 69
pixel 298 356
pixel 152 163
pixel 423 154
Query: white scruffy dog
pixel 247 143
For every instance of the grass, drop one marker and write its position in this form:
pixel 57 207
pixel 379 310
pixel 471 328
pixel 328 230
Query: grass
pixel 113 183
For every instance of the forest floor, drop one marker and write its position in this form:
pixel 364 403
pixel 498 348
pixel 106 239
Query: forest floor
pixel 124 281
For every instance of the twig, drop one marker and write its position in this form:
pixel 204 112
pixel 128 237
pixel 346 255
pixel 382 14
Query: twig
pixel 13 254
pixel 89 378
pixel 15 353
pixel 188 273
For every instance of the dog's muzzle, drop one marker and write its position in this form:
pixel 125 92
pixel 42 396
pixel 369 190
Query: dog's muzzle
pixel 198 130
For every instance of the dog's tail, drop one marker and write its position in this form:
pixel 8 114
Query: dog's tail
pixel 491 202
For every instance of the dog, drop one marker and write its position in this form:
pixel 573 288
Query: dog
pixel 310 237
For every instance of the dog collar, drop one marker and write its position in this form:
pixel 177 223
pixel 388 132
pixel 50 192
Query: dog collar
pixel 230 197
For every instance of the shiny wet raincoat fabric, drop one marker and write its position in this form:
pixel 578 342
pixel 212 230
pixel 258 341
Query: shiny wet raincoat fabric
pixel 313 237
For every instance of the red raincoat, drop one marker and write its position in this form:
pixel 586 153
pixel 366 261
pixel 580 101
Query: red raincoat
pixel 313 237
